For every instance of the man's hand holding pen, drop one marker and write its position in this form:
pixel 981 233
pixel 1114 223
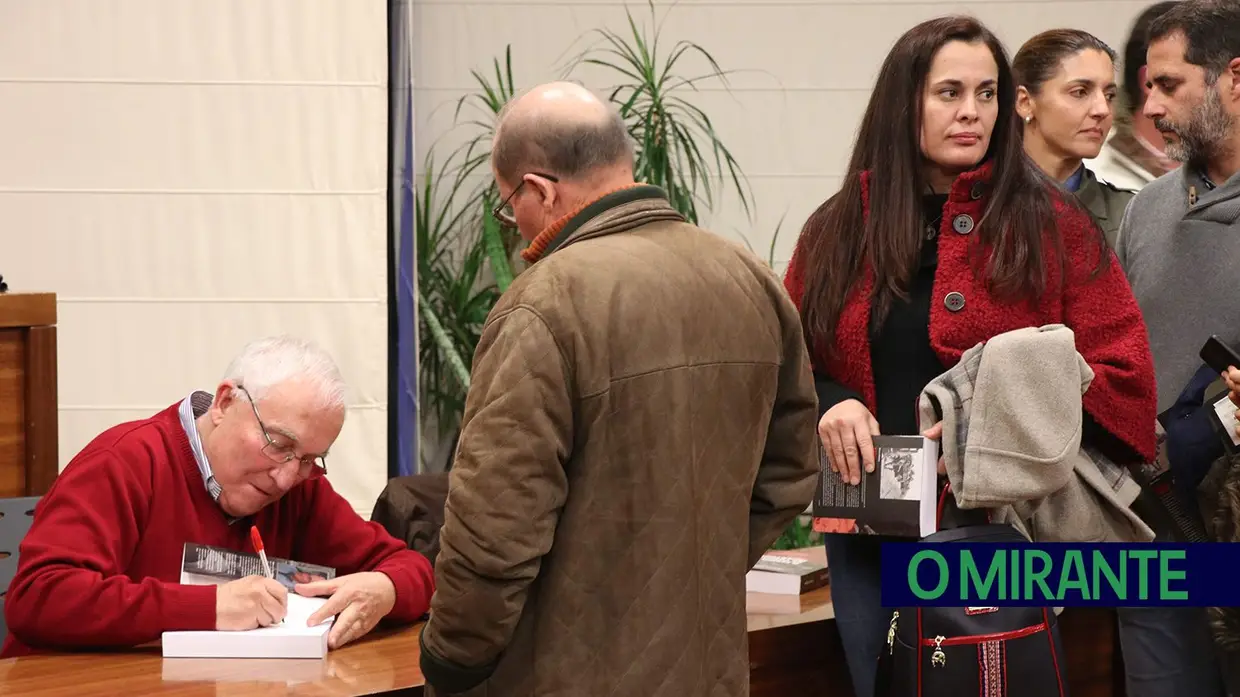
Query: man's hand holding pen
pixel 249 603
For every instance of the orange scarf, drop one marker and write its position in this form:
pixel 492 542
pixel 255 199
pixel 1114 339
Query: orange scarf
pixel 538 246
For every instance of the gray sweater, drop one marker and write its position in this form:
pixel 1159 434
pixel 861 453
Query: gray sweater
pixel 1183 262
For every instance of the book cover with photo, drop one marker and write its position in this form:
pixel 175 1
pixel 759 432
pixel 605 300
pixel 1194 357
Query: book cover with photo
pixel 204 564
pixel 898 498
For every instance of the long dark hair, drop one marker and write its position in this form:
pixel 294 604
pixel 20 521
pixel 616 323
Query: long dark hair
pixel 839 240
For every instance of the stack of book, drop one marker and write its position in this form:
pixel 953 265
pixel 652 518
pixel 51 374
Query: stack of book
pixel 787 572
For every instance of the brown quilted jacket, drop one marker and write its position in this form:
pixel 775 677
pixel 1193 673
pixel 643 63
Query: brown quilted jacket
pixel 639 429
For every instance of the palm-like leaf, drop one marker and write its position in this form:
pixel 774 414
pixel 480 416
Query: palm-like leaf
pixel 465 258
pixel 448 293
pixel 678 148
pixel 458 243
pixel 493 93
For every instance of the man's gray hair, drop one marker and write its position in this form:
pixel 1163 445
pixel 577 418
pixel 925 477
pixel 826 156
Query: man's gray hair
pixel 269 362
pixel 566 148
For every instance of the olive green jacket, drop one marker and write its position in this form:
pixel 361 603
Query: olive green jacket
pixel 1106 202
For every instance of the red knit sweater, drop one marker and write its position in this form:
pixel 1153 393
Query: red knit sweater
pixel 100 565
pixel 1101 312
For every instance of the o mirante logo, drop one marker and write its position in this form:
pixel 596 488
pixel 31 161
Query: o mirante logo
pixel 1060 574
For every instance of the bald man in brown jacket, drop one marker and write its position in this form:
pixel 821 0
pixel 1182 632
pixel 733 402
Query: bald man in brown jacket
pixel 639 429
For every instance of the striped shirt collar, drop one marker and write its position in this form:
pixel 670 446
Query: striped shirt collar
pixel 192 407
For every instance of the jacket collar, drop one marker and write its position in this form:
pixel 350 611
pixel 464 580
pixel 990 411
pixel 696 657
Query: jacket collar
pixel 620 210
pixel 1090 195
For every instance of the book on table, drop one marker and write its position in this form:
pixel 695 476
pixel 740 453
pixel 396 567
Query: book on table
pixel 786 572
pixel 291 638
pixel 898 498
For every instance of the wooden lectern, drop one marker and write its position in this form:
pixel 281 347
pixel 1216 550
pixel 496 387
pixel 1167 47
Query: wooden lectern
pixel 28 417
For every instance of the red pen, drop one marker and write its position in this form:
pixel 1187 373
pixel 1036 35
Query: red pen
pixel 257 541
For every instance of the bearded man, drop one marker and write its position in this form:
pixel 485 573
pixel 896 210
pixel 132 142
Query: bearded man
pixel 1178 244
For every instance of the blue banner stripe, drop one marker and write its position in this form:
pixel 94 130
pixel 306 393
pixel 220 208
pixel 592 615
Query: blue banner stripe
pixel 406 458
pixel 1060 574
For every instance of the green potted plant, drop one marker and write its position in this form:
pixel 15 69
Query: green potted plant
pixel 466 260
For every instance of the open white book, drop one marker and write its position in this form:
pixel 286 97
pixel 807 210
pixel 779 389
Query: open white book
pixel 292 638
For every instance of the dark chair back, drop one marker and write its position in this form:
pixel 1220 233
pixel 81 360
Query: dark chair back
pixel 411 509
pixel 16 515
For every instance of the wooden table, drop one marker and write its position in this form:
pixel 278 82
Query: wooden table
pixel 794 648
pixel 794 651
pixel 384 663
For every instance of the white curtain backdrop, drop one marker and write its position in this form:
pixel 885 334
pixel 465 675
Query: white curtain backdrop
pixel 189 176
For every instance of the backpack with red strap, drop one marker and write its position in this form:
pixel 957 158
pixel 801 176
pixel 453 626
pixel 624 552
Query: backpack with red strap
pixel 983 651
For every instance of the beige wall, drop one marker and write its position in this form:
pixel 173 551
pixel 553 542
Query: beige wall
pixel 188 176
pixel 804 73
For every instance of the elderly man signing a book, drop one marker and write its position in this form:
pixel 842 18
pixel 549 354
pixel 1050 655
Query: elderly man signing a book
pixel 101 565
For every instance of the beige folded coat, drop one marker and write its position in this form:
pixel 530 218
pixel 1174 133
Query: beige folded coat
pixel 1012 441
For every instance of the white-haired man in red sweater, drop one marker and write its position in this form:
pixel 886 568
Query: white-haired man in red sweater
pixel 101 564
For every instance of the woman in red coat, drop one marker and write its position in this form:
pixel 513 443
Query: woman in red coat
pixel 942 236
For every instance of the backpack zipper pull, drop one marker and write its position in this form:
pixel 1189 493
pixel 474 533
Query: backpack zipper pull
pixel 891 633
pixel 938 658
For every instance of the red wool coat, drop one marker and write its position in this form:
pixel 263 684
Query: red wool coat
pixel 1101 311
